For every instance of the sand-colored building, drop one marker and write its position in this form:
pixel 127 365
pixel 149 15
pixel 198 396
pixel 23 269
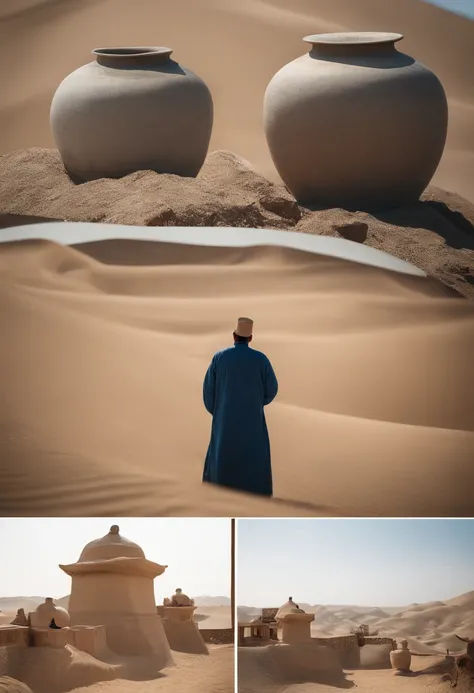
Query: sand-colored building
pixel 112 586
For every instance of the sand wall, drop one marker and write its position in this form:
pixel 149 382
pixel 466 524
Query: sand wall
pixel 13 639
pixel 184 636
pixel 217 636
pixel 90 639
pixel 375 640
pixel 345 646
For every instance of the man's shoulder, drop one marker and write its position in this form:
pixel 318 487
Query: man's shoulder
pixel 250 352
pixel 222 352
pixel 259 355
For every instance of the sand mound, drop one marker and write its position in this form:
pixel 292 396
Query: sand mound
pixel 185 637
pixel 48 670
pixel 9 685
pixel 436 234
pixel 429 628
pixel 261 668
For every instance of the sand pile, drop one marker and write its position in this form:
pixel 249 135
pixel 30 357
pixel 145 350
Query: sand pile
pixel 48 670
pixel 9 685
pixel 263 668
pixel 185 637
pixel 436 234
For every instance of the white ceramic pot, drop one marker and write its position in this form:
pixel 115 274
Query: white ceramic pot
pixel 132 109
pixel 45 613
pixel 355 123
pixel 400 658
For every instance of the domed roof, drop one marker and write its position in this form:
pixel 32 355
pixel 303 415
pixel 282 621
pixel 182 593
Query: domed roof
pixel 113 545
pixel 289 608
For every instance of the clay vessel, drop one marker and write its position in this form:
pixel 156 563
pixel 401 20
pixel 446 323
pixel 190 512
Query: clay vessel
pixel 45 613
pixel 400 658
pixel 355 123
pixel 132 109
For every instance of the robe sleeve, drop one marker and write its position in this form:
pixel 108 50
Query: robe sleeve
pixel 271 384
pixel 209 387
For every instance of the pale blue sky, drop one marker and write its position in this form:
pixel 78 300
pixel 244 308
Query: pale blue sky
pixel 360 562
pixel 465 7
pixel 197 552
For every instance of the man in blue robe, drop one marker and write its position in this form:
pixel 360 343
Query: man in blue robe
pixel 238 384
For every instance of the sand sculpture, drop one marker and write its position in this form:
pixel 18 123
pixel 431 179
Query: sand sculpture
pixel 20 618
pixel 400 658
pixel 355 123
pixel 47 612
pixel 132 109
pixel 112 585
pixel 180 599
pixel 180 627
pixel 295 623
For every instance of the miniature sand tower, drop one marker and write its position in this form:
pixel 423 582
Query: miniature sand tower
pixel 295 623
pixel 181 629
pixel 112 585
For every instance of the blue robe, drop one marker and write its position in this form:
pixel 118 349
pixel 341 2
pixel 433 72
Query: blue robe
pixel 238 384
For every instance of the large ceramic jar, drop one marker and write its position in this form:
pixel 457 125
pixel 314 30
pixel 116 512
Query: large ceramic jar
pixel 48 611
pixel 132 109
pixel 400 658
pixel 355 123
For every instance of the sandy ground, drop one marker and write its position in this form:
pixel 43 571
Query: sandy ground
pixel 192 673
pixel 48 670
pixel 260 670
pixel 237 50
pixel 376 681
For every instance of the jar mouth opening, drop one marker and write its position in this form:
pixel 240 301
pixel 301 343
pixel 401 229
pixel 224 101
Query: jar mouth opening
pixel 353 38
pixel 132 51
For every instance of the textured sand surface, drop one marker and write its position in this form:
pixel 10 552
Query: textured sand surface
pixel 192 674
pixel 48 670
pixel 435 234
pixel 237 50
pixel 430 674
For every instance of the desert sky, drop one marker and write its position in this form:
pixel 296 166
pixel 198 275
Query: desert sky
pixel 391 562
pixel 196 551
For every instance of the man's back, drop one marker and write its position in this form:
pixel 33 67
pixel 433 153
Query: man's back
pixel 238 384
pixel 242 377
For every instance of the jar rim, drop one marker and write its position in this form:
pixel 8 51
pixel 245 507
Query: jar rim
pixel 353 38
pixel 132 51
